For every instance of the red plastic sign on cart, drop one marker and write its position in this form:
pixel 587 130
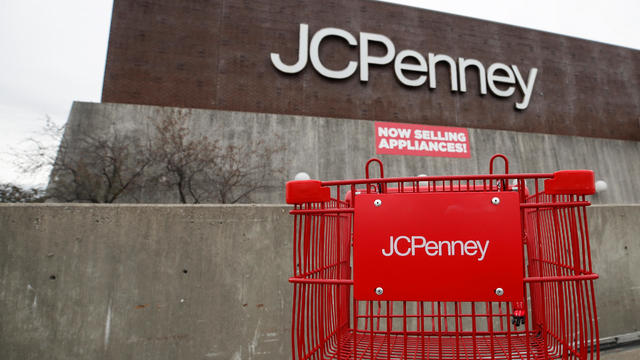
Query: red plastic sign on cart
pixel 421 140
pixel 453 246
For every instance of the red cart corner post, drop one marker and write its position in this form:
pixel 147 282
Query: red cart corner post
pixel 444 267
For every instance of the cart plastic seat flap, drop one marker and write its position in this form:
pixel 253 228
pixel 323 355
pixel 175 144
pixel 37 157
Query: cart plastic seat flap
pixel 305 191
pixel 576 182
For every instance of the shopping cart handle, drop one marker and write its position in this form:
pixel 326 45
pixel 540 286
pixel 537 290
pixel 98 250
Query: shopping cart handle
pixel 575 182
pixel 305 191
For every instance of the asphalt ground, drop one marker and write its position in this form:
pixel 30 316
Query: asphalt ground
pixel 630 352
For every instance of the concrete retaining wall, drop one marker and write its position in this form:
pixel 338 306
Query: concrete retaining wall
pixel 198 282
pixel 330 149
pixel 137 282
pixel 615 248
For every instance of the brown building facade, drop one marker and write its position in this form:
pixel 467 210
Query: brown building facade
pixel 218 55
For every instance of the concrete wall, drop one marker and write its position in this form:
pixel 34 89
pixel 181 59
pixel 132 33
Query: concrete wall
pixel 331 149
pixel 198 282
pixel 615 247
pixel 120 289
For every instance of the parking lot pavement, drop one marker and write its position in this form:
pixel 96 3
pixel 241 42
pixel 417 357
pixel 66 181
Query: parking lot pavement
pixel 622 353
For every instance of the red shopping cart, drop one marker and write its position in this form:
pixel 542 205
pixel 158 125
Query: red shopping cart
pixel 443 267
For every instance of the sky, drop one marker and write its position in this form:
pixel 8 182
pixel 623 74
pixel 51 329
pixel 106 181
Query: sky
pixel 53 53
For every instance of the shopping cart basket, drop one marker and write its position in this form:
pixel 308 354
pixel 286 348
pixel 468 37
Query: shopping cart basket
pixel 443 267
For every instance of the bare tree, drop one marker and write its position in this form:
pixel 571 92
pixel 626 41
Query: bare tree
pixel 99 169
pixel 126 168
pixel 12 193
pixel 242 170
pixel 201 170
pixel 40 153
pixel 184 159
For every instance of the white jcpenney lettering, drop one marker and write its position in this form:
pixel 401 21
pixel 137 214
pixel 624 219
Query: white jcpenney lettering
pixel 501 79
pixel 435 248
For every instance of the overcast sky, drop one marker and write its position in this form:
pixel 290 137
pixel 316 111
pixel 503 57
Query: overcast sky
pixel 53 52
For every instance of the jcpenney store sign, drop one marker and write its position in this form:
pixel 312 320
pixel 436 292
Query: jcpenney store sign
pixel 411 67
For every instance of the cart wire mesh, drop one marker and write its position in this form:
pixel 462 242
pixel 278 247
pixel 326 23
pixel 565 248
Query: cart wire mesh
pixel 556 320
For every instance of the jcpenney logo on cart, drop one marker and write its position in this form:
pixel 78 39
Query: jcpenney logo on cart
pixel 416 245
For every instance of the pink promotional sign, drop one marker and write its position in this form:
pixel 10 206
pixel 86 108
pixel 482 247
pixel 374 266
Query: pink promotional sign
pixel 421 140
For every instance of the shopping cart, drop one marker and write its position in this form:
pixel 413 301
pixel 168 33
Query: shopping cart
pixel 443 267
